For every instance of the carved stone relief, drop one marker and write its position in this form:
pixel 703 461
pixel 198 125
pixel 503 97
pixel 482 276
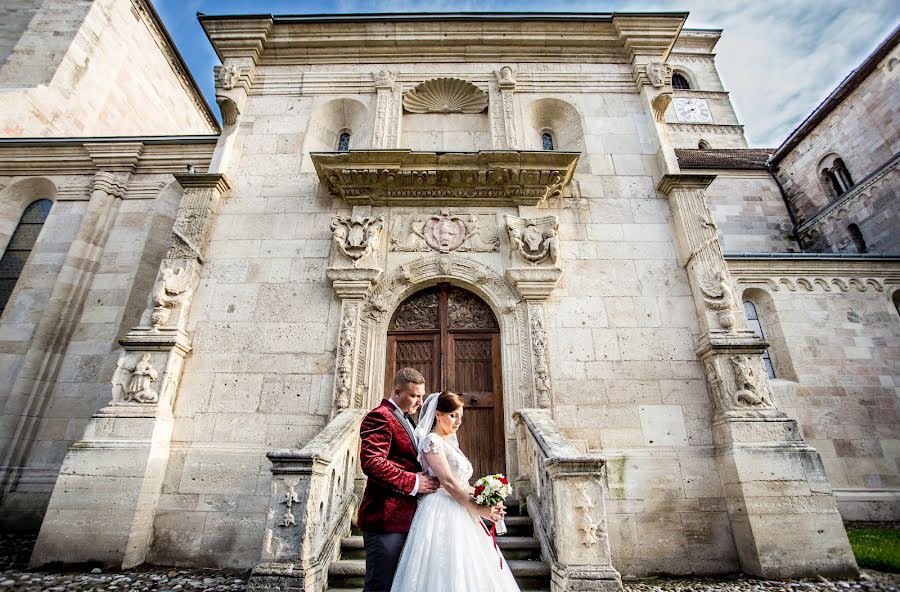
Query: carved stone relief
pixel 659 73
pixel 541 356
pixel 751 389
pixel 719 297
pixel 289 498
pixel 228 76
pixel 356 237
pixel 445 95
pixel 442 232
pixel 534 239
pixel 346 341
pixel 172 289
pixel 139 388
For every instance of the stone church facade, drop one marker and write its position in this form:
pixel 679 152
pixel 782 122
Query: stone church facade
pixel 556 215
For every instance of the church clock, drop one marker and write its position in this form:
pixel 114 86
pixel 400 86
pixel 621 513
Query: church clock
pixel 692 110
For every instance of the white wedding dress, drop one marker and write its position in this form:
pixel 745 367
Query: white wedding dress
pixel 447 549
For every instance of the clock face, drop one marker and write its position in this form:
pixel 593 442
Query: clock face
pixel 692 110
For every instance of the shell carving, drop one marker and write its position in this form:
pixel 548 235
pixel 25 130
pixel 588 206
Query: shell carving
pixel 445 95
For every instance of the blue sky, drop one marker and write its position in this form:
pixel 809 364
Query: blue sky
pixel 778 59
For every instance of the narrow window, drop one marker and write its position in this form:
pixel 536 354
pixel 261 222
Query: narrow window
pixel 833 180
pixel 20 245
pixel 703 145
pixel 756 327
pixel 842 174
pixel 858 240
pixel 547 141
pixel 680 81
pixel 344 142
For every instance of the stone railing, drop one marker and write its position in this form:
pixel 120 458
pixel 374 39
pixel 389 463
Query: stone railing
pixel 564 493
pixel 313 500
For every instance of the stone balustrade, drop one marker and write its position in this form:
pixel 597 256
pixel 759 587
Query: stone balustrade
pixel 564 492
pixel 313 500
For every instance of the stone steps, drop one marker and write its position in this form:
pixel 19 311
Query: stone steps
pixel 521 550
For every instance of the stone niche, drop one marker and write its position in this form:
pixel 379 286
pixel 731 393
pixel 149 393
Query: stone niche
pixel 447 115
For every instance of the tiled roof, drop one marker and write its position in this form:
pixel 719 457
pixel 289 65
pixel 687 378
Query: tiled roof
pixel 724 158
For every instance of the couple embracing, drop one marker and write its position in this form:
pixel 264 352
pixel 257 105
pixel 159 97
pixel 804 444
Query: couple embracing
pixel 421 526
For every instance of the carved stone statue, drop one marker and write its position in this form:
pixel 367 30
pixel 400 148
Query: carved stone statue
pixel 659 73
pixel 356 237
pixel 534 239
pixel 170 292
pixel 139 387
pixel 718 296
pixel 751 390
pixel 505 77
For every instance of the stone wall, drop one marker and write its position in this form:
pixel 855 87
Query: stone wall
pixel 835 345
pixel 750 213
pixel 74 72
pixel 14 18
pixel 862 131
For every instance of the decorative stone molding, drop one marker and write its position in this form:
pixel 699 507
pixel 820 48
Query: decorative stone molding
pixel 353 282
pixel 534 283
pixel 706 128
pixel 357 237
pixel 811 274
pixel 115 157
pixel 443 232
pixel 502 104
pixel 445 95
pixel 110 183
pixel 540 351
pixel 688 57
pixel 346 343
pixel 403 177
pixel 534 240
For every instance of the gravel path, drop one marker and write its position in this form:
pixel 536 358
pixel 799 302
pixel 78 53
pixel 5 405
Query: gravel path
pixel 14 576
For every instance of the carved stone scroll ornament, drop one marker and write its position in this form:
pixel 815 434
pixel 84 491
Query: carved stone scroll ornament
pixel 139 387
pixel 356 237
pixel 719 297
pixel 445 95
pixel 442 232
pixel 172 289
pixel 534 239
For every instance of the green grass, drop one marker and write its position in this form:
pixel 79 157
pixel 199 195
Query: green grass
pixel 876 548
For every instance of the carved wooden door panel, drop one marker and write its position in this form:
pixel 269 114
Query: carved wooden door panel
pixel 452 337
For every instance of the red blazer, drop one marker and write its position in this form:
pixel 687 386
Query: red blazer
pixel 388 457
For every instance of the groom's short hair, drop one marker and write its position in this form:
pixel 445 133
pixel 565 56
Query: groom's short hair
pixel 405 376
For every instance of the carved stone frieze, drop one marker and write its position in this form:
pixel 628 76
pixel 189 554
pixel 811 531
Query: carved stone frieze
pixel 534 240
pixel 356 237
pixel 443 232
pixel 492 178
pixel 445 95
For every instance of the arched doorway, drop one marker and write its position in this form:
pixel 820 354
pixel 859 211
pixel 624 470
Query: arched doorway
pixel 451 336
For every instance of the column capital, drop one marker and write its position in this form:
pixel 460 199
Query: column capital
pixel 534 283
pixel 353 283
pixel 670 183
pixel 115 184
pixel 216 181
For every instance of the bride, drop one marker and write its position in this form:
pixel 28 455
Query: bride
pixel 448 548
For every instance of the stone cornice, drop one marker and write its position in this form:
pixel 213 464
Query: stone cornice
pixel 119 157
pixel 403 177
pixel 670 183
pixel 810 273
pixel 289 40
pixel 203 181
pixel 706 128
pixel 87 155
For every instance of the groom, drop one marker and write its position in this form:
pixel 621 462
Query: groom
pixel 388 456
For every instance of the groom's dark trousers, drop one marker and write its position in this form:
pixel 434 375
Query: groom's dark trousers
pixel 382 555
pixel 387 455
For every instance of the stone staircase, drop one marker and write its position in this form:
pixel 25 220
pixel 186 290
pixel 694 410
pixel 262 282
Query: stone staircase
pixel 520 547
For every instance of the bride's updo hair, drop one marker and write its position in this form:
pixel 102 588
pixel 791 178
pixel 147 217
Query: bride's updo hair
pixel 448 402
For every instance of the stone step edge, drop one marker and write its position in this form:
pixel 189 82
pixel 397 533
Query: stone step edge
pixel 519 567
pixel 504 542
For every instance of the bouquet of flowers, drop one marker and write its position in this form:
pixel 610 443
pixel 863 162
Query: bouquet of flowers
pixel 492 490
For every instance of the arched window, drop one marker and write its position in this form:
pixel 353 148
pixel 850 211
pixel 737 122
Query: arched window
pixel 842 174
pixel 836 179
pixel 547 141
pixel 344 142
pixel 754 324
pixel 857 237
pixel 680 81
pixel 703 145
pixel 20 245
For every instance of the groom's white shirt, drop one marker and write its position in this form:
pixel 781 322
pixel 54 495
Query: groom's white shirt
pixel 413 431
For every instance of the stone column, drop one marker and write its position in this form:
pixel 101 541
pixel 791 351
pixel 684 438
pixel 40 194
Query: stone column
pixel 386 129
pixel 32 389
pixel 111 480
pixel 783 515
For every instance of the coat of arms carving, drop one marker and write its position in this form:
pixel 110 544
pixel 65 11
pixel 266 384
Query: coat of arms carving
pixel 356 236
pixel 534 239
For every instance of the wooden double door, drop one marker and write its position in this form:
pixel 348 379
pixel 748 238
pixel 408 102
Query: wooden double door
pixel 451 336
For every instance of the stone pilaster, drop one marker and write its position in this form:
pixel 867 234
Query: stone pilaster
pixel 387 111
pixel 502 110
pixel 33 385
pixel 783 515
pixel 111 480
